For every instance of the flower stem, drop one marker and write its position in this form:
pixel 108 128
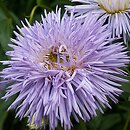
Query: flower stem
pixel 127 121
pixel 32 13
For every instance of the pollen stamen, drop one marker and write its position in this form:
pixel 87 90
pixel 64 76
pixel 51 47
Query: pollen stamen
pixel 57 57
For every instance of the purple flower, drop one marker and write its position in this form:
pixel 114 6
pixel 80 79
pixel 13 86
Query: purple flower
pixel 117 12
pixel 63 67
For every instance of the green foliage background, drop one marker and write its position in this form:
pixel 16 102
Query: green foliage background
pixel 11 12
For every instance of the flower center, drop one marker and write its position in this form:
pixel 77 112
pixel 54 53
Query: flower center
pixel 114 6
pixel 59 58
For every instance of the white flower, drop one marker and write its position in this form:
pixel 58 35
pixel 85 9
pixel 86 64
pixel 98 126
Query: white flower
pixel 116 12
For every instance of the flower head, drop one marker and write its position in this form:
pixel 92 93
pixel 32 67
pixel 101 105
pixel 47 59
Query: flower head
pixel 63 67
pixel 116 12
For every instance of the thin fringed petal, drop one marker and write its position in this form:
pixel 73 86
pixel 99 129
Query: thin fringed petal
pixel 63 67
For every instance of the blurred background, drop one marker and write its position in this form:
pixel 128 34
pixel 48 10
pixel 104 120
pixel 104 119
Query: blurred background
pixel 11 13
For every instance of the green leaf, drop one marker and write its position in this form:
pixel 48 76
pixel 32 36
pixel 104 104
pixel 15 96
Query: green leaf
pixel 129 98
pixel 126 87
pixel 109 121
pixel 39 2
pixel 124 105
pixel 61 3
pixel 42 2
pixel 3 110
pixel 5 26
pixel 5 33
